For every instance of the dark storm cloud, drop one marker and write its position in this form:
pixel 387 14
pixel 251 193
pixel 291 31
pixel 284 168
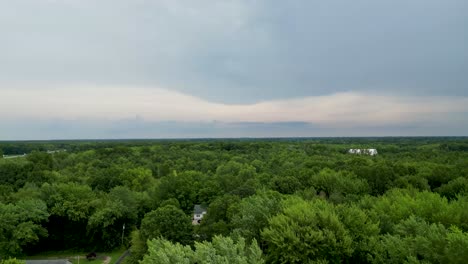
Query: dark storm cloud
pixel 239 51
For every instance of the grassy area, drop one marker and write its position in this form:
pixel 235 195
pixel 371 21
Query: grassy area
pixel 72 256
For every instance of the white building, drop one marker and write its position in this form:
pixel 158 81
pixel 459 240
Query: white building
pixel 198 213
pixel 371 152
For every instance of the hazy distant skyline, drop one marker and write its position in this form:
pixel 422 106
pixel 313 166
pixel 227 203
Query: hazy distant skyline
pixel 163 69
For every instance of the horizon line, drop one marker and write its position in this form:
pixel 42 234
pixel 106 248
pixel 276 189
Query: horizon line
pixel 225 138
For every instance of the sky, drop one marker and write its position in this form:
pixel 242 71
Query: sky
pixel 87 69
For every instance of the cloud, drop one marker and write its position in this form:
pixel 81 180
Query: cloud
pixel 239 51
pixel 117 68
pixel 157 104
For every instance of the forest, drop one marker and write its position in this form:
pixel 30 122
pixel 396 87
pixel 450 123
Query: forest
pixel 288 200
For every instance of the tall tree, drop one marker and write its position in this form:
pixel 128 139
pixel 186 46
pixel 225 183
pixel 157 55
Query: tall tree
pixel 253 214
pixel 168 222
pixel 222 250
pixel 20 225
pixel 307 231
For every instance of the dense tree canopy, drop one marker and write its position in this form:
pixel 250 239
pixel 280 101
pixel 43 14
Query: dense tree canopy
pixel 20 225
pixel 267 200
pixel 222 250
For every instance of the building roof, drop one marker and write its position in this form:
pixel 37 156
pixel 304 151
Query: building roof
pixel 198 209
pixel 371 152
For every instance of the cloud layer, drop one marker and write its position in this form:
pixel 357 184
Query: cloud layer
pixel 156 104
pixel 239 51
pixel 173 68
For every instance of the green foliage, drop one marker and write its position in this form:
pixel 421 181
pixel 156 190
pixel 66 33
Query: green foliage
pixel 379 176
pixel 171 201
pixel 412 181
pixel 439 174
pixel 14 173
pixel 458 186
pixel 168 222
pixel 185 188
pixel 303 200
pixel 12 261
pixel 70 200
pixel 416 241
pixel 233 175
pixel 363 231
pixel 286 184
pixel 138 179
pixel 161 251
pixel 138 249
pixel 220 250
pixel 217 219
pixel 5 192
pixel 105 178
pixel 41 160
pixel 119 208
pixel 253 214
pixel 397 205
pixel 338 185
pixel 307 231
pixel 20 225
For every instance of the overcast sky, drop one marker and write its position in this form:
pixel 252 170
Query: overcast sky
pixel 153 69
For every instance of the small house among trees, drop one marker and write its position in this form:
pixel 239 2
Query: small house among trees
pixel 371 152
pixel 198 213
